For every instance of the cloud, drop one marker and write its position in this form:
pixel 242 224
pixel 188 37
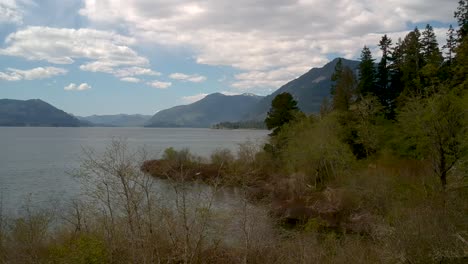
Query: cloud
pixel 134 71
pixel 265 37
pixel 189 78
pixel 106 51
pixel 32 74
pixel 75 87
pixel 11 11
pixel 193 98
pixel 130 79
pixel 160 85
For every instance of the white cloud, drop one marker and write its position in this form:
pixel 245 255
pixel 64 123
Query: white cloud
pixel 134 71
pixel 160 85
pixel 189 78
pixel 11 11
pixel 75 87
pixel 193 98
pixel 106 51
pixel 32 74
pixel 264 37
pixel 130 79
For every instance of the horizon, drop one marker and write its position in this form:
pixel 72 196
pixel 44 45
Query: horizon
pixel 140 57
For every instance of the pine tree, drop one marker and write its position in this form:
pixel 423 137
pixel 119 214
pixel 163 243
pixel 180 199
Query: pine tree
pixel 412 61
pixel 451 45
pixel 283 110
pixel 430 48
pixel 367 73
pixel 462 17
pixel 396 75
pixel 461 58
pixel 383 71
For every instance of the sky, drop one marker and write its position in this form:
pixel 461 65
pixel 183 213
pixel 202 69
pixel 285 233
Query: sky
pixel 141 56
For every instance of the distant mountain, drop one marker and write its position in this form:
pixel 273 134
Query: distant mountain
pixel 212 109
pixel 121 120
pixel 308 90
pixel 34 112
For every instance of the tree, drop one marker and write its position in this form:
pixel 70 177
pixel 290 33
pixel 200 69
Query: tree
pixel 430 48
pixel 383 70
pixel 411 62
pixel 435 128
pixel 345 88
pixel 451 45
pixel 283 110
pixel 396 83
pixel 366 73
pixel 462 17
pixel 461 58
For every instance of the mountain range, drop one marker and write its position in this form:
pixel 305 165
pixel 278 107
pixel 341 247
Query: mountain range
pixel 212 109
pixel 308 90
pixel 34 112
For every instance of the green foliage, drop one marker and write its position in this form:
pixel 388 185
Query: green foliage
pixel 368 113
pixel 83 249
pixel 435 128
pixel 344 90
pixel 411 63
pixel 178 157
pixel 283 110
pixel 451 45
pixel 430 48
pixel 383 71
pixel 315 149
pixel 367 73
pixel 461 14
pixel 461 70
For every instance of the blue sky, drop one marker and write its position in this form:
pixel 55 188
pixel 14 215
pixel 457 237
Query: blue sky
pixel 140 56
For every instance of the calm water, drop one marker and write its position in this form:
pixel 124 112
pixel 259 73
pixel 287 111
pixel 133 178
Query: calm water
pixel 35 161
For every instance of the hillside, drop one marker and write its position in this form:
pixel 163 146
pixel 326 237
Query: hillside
pixel 34 112
pixel 308 90
pixel 120 120
pixel 212 109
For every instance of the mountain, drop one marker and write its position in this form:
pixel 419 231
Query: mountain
pixel 121 120
pixel 308 90
pixel 212 109
pixel 34 112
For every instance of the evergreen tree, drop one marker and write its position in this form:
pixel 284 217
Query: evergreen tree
pixel 383 71
pixel 366 73
pixel 344 91
pixel 283 110
pixel 451 45
pixel 461 58
pixel 430 48
pixel 432 61
pixel 396 62
pixel 411 62
pixel 462 17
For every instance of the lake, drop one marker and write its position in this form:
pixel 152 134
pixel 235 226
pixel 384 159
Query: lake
pixel 34 161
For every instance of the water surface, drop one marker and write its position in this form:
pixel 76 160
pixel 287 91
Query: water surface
pixel 35 161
